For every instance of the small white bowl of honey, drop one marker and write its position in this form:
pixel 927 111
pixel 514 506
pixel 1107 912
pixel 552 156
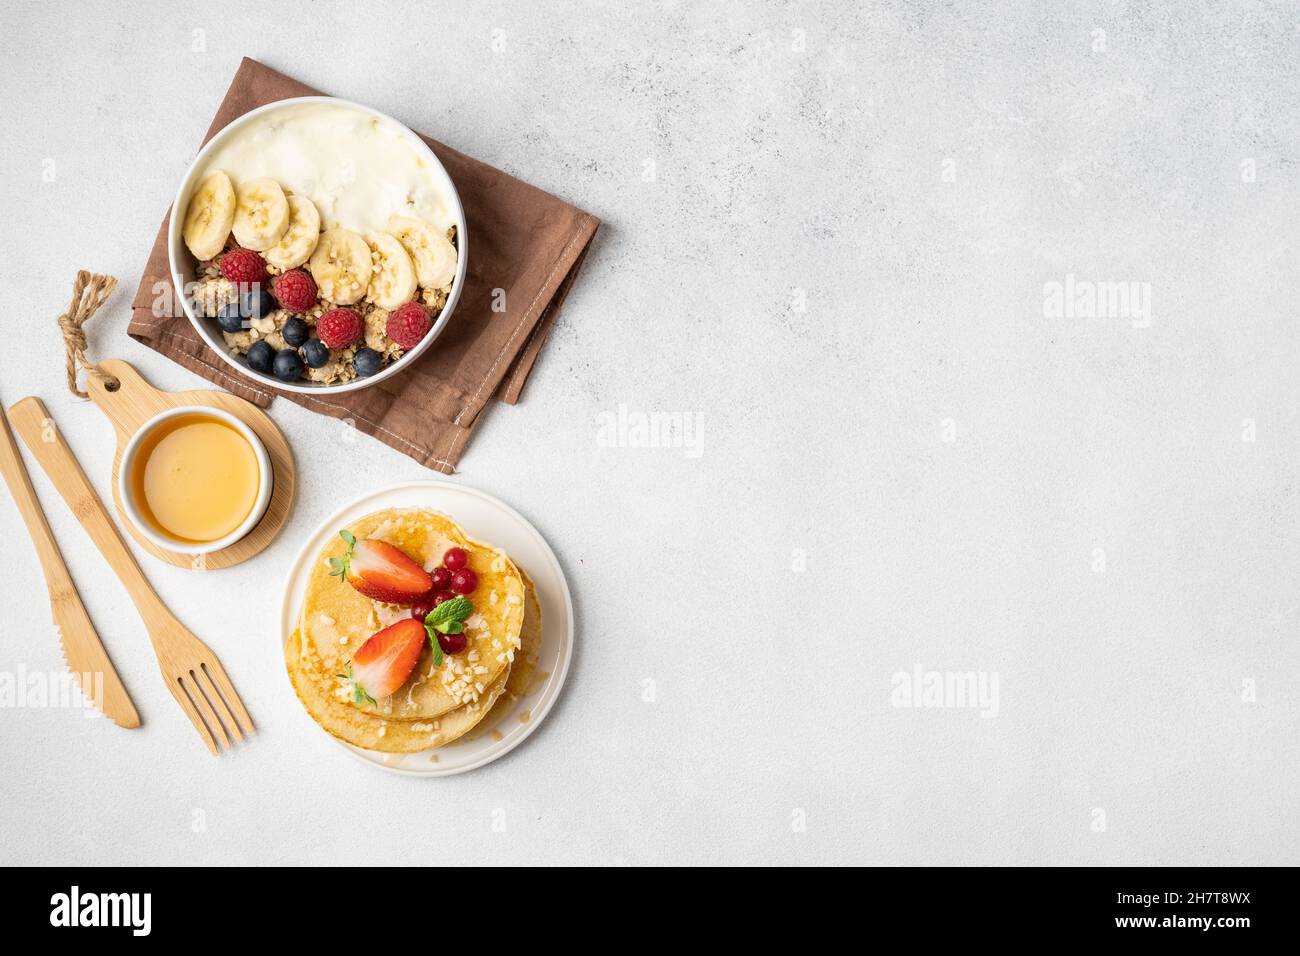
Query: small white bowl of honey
pixel 194 479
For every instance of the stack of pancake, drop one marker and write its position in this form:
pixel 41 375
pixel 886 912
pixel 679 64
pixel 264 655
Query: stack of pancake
pixel 436 705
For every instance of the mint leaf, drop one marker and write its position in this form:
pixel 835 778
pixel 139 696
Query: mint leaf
pixel 340 565
pixel 359 695
pixel 450 612
pixel 447 618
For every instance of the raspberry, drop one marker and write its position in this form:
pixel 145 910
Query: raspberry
pixel 408 324
pixel 295 290
pixel 339 328
pixel 243 267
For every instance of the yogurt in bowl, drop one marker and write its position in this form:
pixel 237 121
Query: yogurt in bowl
pixel 322 245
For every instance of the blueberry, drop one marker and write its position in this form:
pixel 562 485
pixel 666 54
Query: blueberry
pixel 295 332
pixel 288 366
pixel 229 318
pixel 260 357
pixel 366 362
pixel 256 303
pixel 315 352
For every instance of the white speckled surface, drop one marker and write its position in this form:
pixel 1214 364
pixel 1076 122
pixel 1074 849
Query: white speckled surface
pixel 862 208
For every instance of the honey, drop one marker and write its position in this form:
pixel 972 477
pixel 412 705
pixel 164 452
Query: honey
pixel 195 478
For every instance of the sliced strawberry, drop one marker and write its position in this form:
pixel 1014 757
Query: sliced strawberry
pixel 386 659
pixel 380 571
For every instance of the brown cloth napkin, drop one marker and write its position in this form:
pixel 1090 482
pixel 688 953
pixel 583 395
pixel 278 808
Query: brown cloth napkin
pixel 521 239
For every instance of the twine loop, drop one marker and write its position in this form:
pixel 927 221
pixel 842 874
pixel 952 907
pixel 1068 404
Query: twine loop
pixel 89 292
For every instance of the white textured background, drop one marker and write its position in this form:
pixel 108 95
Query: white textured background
pixel 798 150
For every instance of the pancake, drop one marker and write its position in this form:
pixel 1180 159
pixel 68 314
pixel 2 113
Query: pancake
pixel 530 643
pixel 336 619
pixel 524 669
pixel 337 715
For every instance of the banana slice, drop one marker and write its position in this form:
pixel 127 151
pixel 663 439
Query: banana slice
pixel 341 266
pixel 393 280
pixel 210 215
pixel 261 214
pixel 299 240
pixel 432 252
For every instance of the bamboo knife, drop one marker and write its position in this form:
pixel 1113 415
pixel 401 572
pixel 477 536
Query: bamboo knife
pixel 82 649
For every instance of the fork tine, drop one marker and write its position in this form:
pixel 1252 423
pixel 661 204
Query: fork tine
pixel 209 689
pixel 206 708
pixel 189 684
pixel 217 674
pixel 182 698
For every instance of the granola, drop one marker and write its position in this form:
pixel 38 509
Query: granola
pixel 216 297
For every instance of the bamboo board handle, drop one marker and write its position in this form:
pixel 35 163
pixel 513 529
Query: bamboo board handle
pixel 124 396
pixel 29 417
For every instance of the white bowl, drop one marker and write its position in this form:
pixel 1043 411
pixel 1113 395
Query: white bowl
pixel 184 271
pixel 265 482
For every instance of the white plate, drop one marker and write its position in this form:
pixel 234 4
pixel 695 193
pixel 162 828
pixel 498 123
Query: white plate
pixel 492 521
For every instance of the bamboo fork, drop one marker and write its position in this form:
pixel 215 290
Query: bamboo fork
pixel 192 672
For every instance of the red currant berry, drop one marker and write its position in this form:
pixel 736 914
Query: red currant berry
pixel 421 608
pixel 452 643
pixel 442 596
pixel 455 558
pixel 464 581
pixel 441 579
